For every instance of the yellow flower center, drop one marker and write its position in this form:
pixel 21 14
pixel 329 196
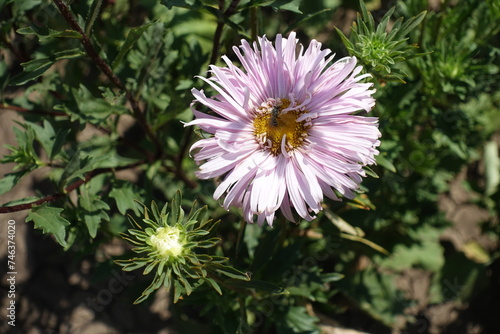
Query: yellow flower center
pixel 276 122
pixel 167 241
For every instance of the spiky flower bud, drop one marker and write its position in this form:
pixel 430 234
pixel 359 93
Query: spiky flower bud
pixel 169 243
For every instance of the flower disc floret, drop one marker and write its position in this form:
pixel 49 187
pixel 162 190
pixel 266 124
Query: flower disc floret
pixel 167 242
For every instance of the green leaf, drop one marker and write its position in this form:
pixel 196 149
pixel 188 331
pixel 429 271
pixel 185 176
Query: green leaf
pixel 76 168
pixel 384 162
pixel 290 5
pixel 90 109
pixel 33 69
pixel 45 135
pixel 58 142
pixel 133 35
pixel 124 194
pixel 258 285
pixel 213 284
pixel 304 19
pixel 44 33
pixel 229 271
pixel 409 25
pixel 331 277
pixel 367 242
pixel 195 5
pixel 92 16
pixel 93 211
pixel 382 26
pixel 347 43
pixel 51 142
pixel 10 180
pixel 176 212
pixel 50 221
pixel 370 172
pixel 299 320
pixel 25 200
pixel 366 16
pixel 176 3
pixel 342 225
pixel 37 67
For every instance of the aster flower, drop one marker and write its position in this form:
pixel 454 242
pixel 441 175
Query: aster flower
pixel 285 129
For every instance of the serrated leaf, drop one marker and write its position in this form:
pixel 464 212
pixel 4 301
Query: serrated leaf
pixel 90 109
pixel 124 194
pixel 49 220
pixel 93 211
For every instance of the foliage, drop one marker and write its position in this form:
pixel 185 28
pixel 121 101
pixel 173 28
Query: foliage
pixel 103 90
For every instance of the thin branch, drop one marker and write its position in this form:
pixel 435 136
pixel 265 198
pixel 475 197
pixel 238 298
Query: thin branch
pixel 254 27
pixel 34 111
pixel 104 67
pixel 220 26
pixel 67 190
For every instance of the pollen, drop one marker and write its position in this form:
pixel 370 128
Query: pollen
pixel 277 120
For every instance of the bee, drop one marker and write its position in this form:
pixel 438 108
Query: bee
pixel 274 116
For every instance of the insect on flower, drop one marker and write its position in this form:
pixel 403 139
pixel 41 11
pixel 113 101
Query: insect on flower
pixel 274 116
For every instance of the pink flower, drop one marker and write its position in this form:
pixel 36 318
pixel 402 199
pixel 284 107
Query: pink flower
pixel 284 129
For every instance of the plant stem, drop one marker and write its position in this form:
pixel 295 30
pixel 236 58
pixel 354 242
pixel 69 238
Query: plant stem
pixel 254 27
pixel 35 111
pixel 104 67
pixel 220 26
